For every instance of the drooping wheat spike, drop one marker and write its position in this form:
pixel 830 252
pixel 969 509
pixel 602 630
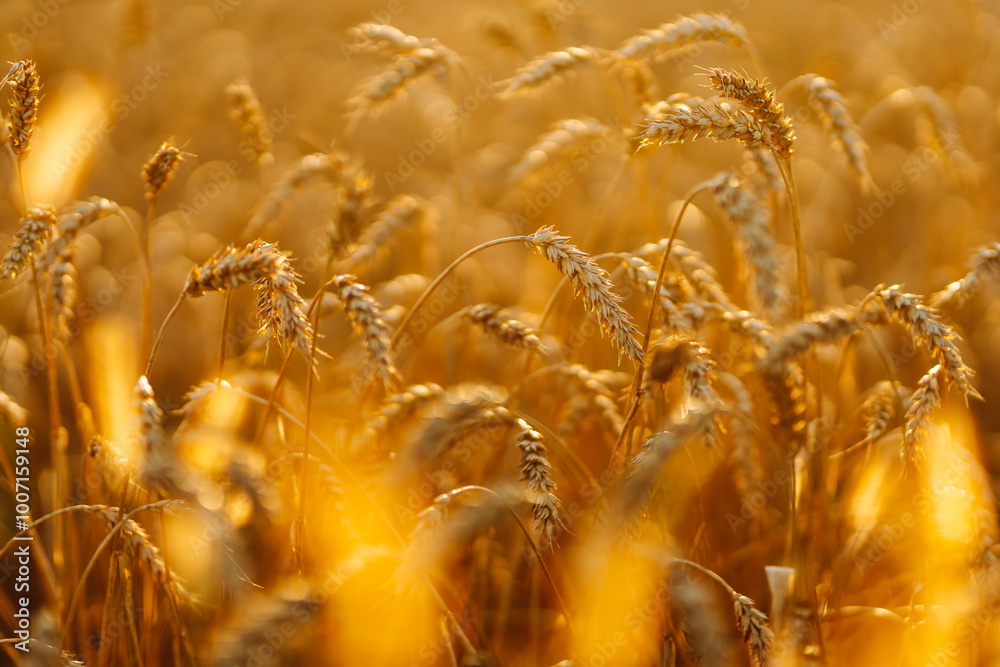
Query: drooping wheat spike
pixel 756 241
pixel 353 211
pixel 499 323
pixel 925 325
pixel 62 278
pixel 71 223
pixel 938 128
pixel 558 143
pixel 683 32
pixel 701 275
pixel 247 114
pixel 536 473
pixel 230 268
pixel 924 402
pixel 825 327
pixel 32 233
pixel 281 311
pixel 160 168
pixel 984 265
pixel 365 316
pixel 830 105
pixel 310 167
pixel 547 68
pixel 721 122
pixel 753 624
pixel 676 315
pixel 403 71
pixel 396 408
pixel 592 283
pixel 380 37
pixel 139 546
pixel 10 411
pixel 401 212
pixel 24 108
pixel 761 104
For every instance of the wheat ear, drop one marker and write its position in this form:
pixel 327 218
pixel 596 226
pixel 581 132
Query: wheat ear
pixel 536 473
pixel 24 108
pixel 353 211
pixel 401 212
pixel 756 241
pixel 383 38
pixel 248 116
pixel 34 231
pixel 592 283
pixel 547 68
pixel 761 104
pixel 556 144
pixel 499 323
pixel 365 315
pixel 984 265
pixel 823 97
pixel 310 167
pixel 160 168
pixel 679 123
pixel 686 31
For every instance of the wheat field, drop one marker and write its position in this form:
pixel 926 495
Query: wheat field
pixel 545 332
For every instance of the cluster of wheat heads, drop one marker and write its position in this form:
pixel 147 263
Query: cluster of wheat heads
pixel 535 450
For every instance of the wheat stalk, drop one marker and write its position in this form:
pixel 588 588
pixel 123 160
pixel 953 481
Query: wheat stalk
pixel 593 283
pixel 248 116
pixel 536 473
pixel 72 222
pixel 760 103
pixel 924 324
pixel 365 315
pixel 499 323
pixel 679 123
pixel 380 37
pixel 401 212
pixel 686 31
pixel 547 68
pixel 139 546
pixel 24 108
pixel 160 168
pixel 823 97
pixel 63 290
pixel 353 211
pixel 33 232
pixel 308 168
pixel 753 623
pixel 753 225
pixel 984 265
pixel 230 268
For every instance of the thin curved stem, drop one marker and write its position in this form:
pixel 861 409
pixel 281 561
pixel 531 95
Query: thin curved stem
pixel 637 392
pixel 444 274
pixel 163 328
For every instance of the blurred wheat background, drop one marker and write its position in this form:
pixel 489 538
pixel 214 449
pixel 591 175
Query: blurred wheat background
pixel 502 333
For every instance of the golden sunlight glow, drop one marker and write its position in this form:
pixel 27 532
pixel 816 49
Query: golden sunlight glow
pixel 75 125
